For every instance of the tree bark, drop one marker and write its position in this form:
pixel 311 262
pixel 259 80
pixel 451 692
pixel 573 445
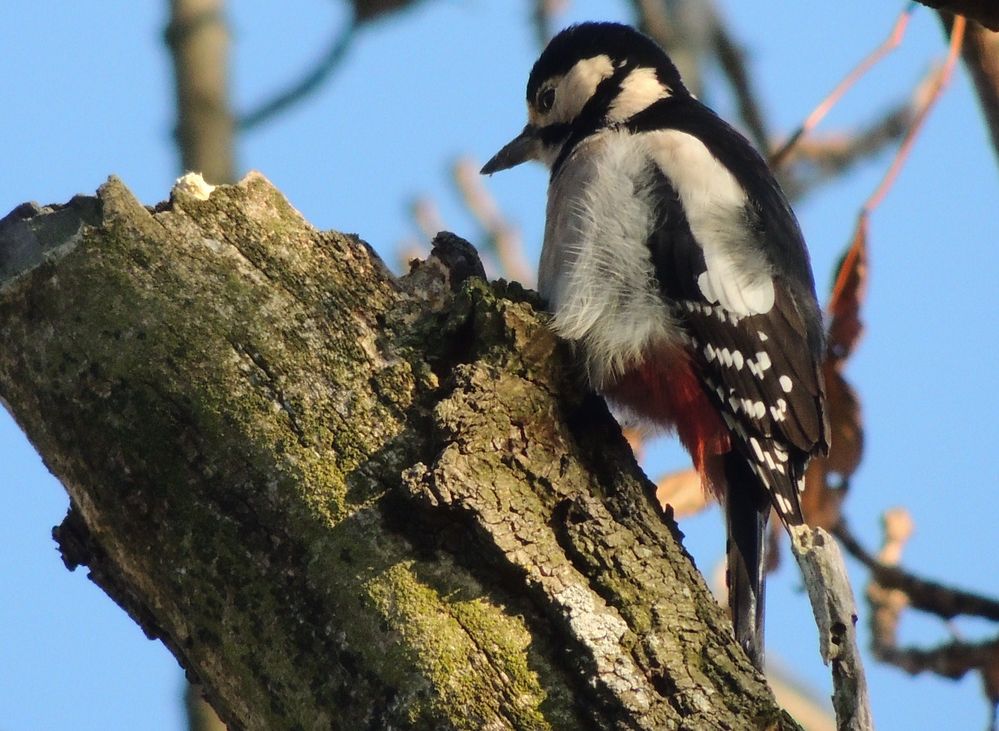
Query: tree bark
pixel 344 499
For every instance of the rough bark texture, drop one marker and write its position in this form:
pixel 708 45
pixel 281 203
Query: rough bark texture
pixel 835 611
pixel 346 500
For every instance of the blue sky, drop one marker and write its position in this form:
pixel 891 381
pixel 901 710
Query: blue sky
pixel 88 93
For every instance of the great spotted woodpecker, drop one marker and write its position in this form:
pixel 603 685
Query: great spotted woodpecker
pixel 673 262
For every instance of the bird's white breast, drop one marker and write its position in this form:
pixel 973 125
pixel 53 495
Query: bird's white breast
pixel 596 269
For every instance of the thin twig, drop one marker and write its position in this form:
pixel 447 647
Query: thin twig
pixel 544 12
pixel 950 660
pixel 503 237
pixel 813 119
pixel 942 77
pixel 321 70
pixel 928 596
pixel 733 63
pixel 981 57
pixel 820 159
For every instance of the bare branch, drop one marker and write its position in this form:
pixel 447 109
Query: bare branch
pixel 199 46
pixel 816 160
pixel 542 17
pixel 836 616
pixel 731 56
pixel 923 594
pixel 427 216
pixel 684 29
pixel 950 660
pixel 503 238
pixel 200 714
pixel 985 12
pixel 365 10
pixel 933 92
pixel 981 56
pixel 818 114
pixel 311 80
pixel 683 493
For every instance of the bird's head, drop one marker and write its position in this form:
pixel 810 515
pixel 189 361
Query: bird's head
pixel 591 76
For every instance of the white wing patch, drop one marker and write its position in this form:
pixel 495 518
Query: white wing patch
pixel 725 284
pixel 737 278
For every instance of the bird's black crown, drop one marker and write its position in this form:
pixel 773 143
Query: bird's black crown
pixel 621 43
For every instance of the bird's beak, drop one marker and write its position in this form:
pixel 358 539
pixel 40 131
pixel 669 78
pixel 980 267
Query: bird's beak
pixel 521 148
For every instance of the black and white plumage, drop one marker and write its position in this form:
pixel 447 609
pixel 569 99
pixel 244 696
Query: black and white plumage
pixel 673 262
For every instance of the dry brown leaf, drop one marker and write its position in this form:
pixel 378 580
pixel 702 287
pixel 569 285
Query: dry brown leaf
pixel 682 491
pixel 827 477
pixel 849 290
pixel 636 440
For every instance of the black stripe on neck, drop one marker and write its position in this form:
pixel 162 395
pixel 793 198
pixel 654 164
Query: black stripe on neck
pixel 593 116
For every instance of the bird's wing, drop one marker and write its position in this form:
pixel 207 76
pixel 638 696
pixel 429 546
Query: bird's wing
pixel 750 347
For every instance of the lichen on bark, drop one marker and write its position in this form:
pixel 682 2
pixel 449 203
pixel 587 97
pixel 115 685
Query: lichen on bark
pixel 344 499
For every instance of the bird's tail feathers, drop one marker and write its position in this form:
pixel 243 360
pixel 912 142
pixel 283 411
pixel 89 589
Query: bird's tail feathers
pixel 747 508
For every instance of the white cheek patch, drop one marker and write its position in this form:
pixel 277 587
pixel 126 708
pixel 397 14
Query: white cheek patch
pixel 577 86
pixel 714 204
pixel 639 90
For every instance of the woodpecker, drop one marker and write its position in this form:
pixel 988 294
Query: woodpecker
pixel 674 265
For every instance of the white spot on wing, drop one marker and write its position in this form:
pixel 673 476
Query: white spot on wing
pixel 786 384
pixel 783 504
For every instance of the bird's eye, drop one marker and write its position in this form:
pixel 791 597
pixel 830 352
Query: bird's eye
pixel 546 98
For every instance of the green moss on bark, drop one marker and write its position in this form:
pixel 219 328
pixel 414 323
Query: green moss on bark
pixel 345 500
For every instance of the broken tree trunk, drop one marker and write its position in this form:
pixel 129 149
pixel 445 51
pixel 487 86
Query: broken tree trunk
pixel 344 499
